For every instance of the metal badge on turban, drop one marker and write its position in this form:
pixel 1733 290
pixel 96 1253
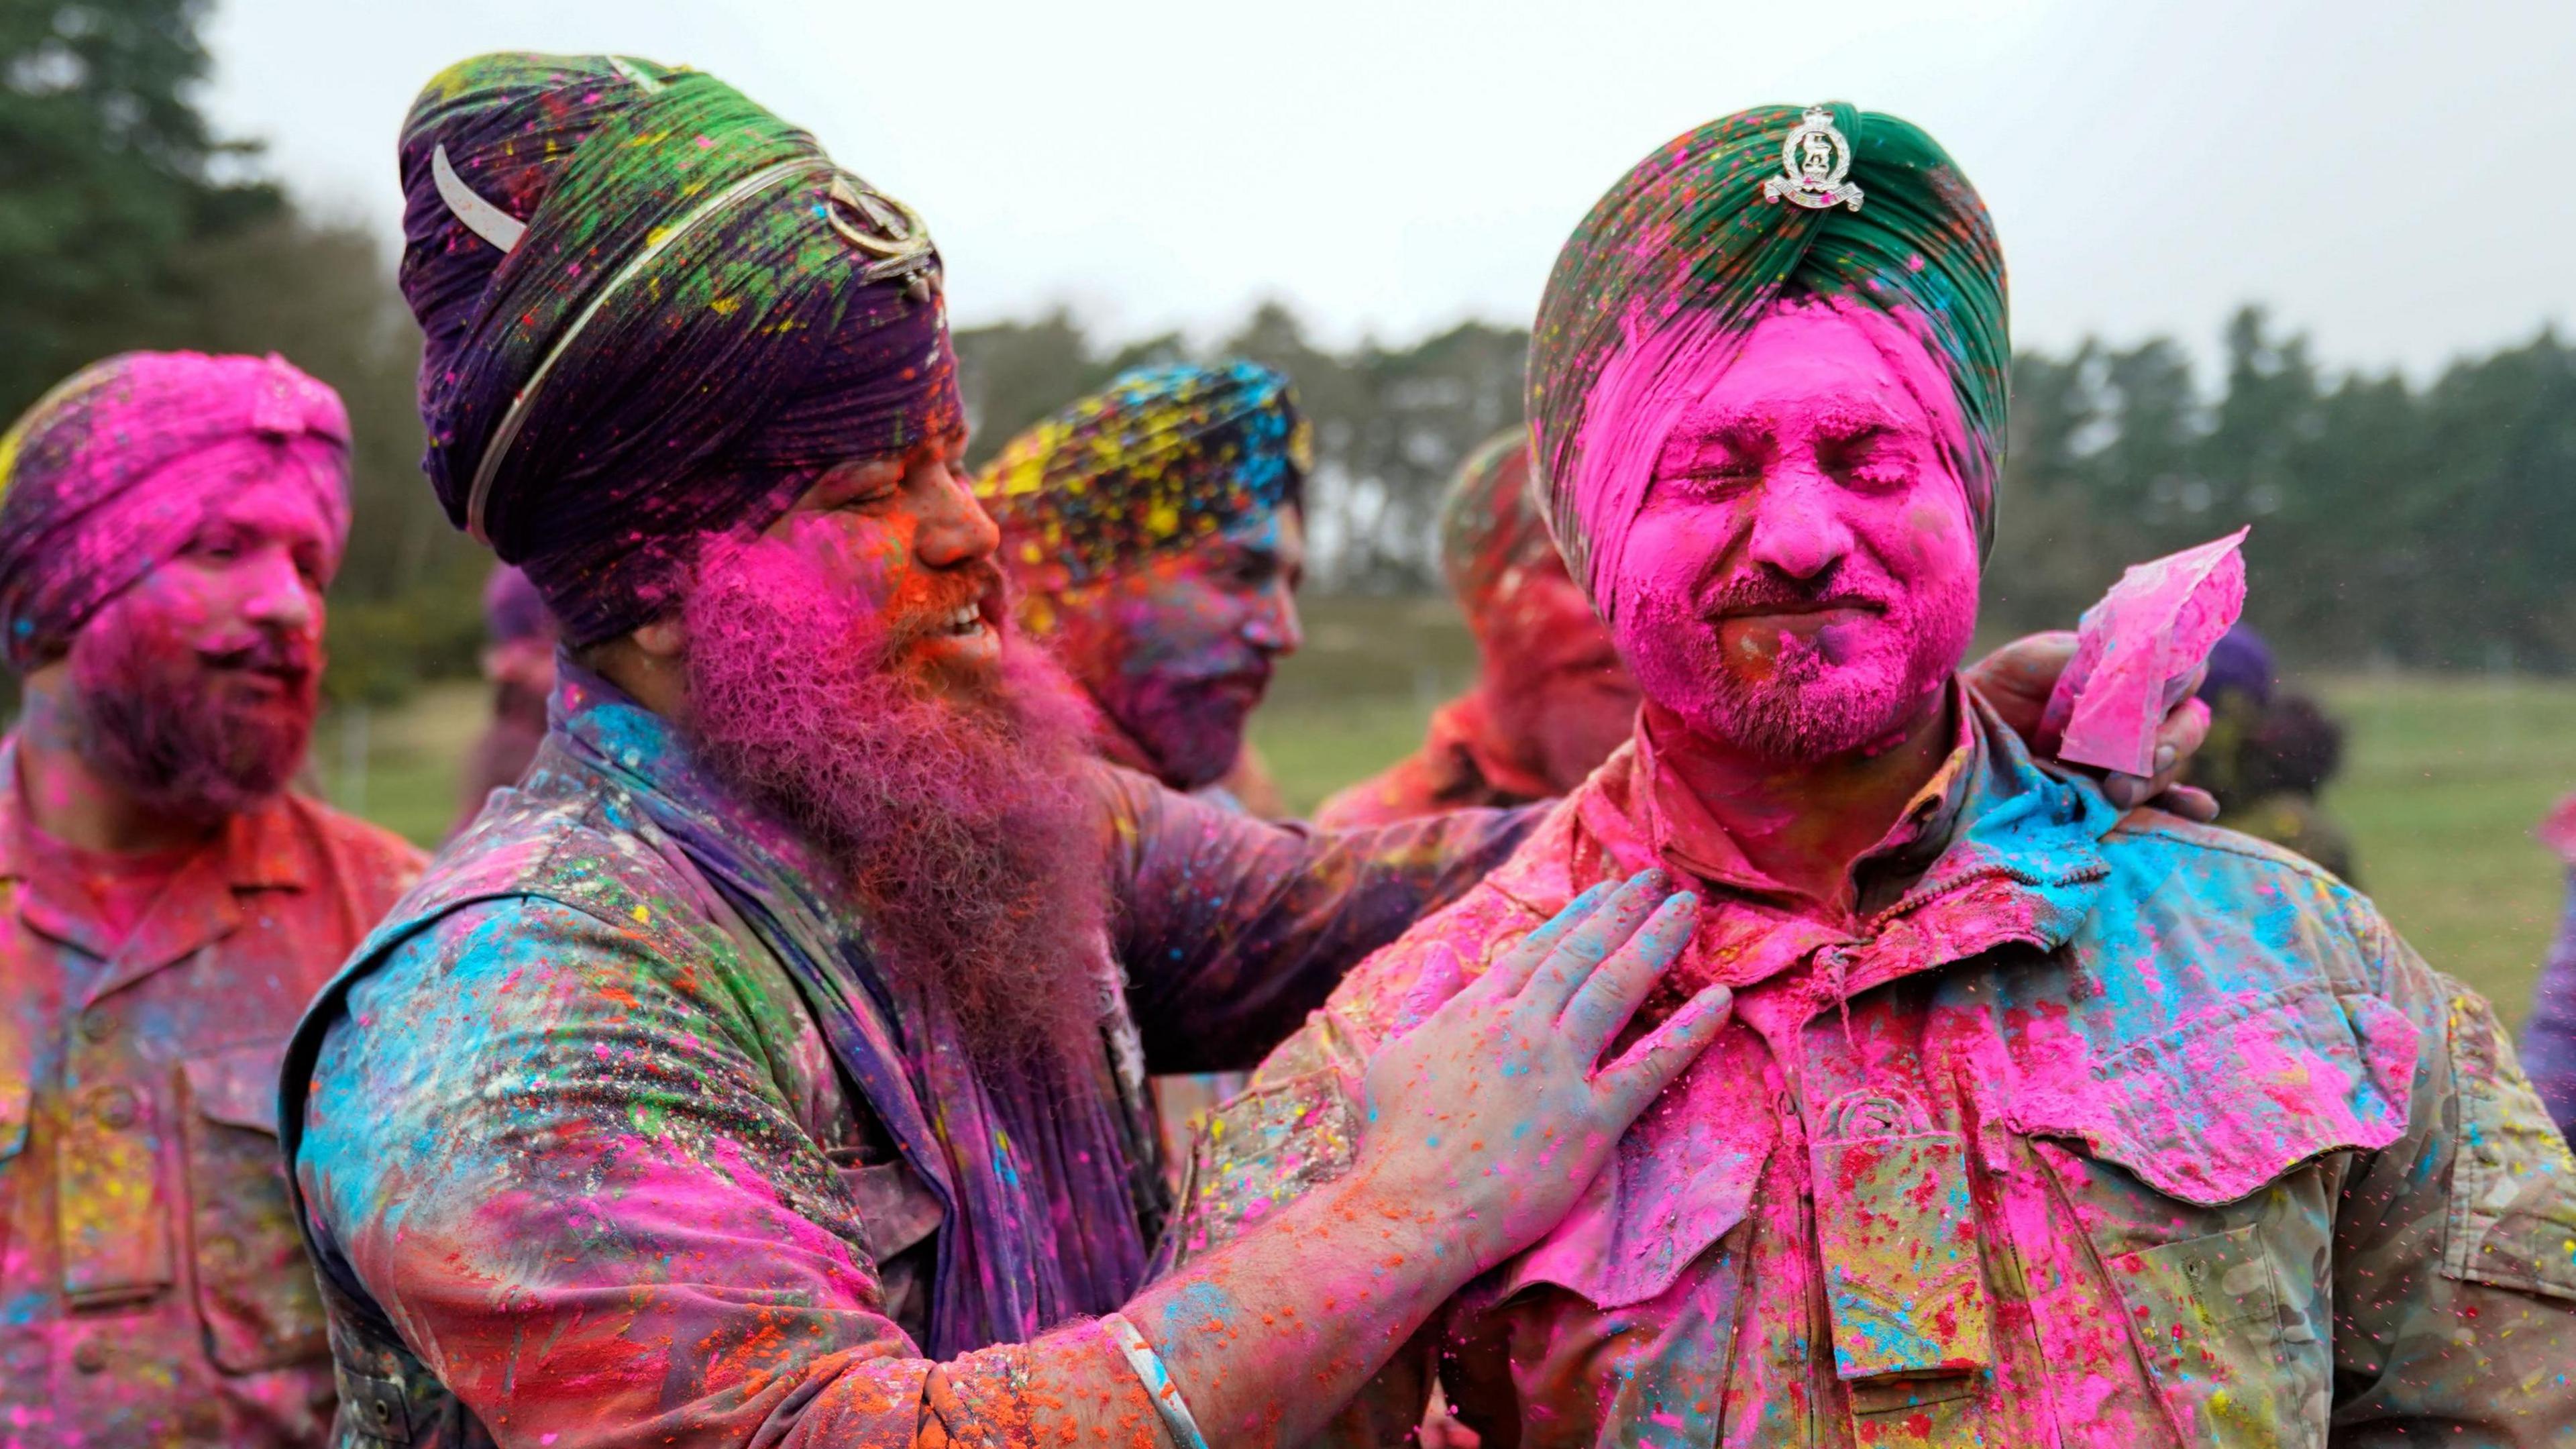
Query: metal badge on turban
pixel 1814 159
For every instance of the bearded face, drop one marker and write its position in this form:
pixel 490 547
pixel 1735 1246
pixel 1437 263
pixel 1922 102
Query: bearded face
pixel 1178 650
pixel 945 783
pixel 1802 575
pixel 195 691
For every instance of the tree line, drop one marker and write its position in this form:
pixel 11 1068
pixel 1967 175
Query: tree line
pixel 2427 525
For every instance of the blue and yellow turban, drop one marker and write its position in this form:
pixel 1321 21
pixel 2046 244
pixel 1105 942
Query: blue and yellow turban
pixel 1166 458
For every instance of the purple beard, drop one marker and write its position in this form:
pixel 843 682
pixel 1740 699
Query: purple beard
pixel 965 828
pixel 166 727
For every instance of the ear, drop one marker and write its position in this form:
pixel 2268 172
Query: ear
pixel 662 641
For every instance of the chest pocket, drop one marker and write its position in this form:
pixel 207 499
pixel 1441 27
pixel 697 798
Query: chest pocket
pixel 256 1297
pixel 2215 1233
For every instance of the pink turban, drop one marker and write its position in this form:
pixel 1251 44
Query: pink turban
pixel 110 474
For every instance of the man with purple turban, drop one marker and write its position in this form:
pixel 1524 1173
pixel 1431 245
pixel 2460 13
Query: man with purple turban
pixel 765 1068
pixel 168 522
pixel 2036 1120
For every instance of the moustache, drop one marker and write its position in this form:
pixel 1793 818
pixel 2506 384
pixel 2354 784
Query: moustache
pixel 282 655
pixel 1772 592
pixel 974 586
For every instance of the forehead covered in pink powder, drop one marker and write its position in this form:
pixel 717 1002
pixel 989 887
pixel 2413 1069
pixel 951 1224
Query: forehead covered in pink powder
pixel 1809 354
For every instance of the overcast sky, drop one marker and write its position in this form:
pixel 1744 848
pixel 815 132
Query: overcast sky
pixel 2394 179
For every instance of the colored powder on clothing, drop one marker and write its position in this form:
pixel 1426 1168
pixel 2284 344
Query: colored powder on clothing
pixel 112 473
pixel 2136 652
pixel 702 315
pixel 1684 257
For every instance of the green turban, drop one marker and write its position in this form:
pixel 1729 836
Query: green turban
pixel 1680 260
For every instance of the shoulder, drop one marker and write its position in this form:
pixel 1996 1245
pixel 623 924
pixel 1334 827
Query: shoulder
pixel 2249 908
pixel 378 865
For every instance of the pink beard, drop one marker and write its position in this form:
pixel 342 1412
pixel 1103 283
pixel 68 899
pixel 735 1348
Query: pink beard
pixel 966 829
pixel 163 725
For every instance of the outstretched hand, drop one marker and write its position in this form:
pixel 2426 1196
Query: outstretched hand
pixel 1494 1109
pixel 2016 680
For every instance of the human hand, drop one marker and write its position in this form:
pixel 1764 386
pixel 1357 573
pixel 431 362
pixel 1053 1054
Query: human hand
pixel 2016 680
pixel 1494 1112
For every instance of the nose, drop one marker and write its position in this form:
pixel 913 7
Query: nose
pixel 954 528
pixel 1272 627
pixel 1798 526
pixel 276 595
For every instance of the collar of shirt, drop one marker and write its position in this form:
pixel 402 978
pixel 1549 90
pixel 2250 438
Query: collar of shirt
pixel 1996 848
pixel 258 849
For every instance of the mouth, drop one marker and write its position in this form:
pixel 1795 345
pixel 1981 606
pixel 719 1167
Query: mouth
pixel 968 633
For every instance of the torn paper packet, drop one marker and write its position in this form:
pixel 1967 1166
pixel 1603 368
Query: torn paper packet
pixel 2136 653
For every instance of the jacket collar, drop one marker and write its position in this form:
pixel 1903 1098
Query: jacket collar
pixel 2014 856
pixel 258 849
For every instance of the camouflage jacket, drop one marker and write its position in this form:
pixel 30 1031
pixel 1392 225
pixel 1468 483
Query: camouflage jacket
pixel 2093 1130
pixel 156 1287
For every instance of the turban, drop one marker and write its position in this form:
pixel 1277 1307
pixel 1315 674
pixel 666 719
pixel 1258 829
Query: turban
pixel 110 474
pixel 1167 457
pixel 652 311
pixel 1488 525
pixel 1680 260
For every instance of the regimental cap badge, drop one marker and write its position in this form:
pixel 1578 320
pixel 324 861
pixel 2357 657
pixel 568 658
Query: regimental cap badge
pixel 1813 162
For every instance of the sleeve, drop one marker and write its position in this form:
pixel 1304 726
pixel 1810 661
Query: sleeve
pixel 2549 1038
pixel 1232 929
pixel 560 1161
pixel 2455 1246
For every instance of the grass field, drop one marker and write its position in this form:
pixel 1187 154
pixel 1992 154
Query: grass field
pixel 2444 776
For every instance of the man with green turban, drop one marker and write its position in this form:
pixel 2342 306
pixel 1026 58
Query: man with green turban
pixel 2037 1120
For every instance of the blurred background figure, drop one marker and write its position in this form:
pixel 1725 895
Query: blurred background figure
pixel 520 663
pixel 1551 699
pixel 1156 534
pixel 2270 754
pixel 168 902
pixel 2549 1040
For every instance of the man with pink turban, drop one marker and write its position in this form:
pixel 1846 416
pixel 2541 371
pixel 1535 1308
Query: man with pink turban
pixel 2036 1119
pixel 168 522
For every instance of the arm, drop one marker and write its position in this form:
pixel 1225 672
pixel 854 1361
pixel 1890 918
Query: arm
pixel 563 1164
pixel 1232 929
pixel 2454 1287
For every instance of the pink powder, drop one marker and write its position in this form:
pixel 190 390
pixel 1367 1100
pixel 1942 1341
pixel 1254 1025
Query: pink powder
pixel 2136 652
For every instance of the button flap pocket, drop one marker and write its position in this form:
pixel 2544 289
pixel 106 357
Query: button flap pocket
pixel 2216 1108
pixel 238 1086
pixel 1684 1177
pixel 1904 1282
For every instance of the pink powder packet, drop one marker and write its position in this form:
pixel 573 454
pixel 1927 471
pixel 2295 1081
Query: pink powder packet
pixel 2135 652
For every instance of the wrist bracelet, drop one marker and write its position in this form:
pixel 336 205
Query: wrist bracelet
pixel 1177 1419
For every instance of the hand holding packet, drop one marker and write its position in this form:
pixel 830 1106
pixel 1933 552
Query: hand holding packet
pixel 2137 652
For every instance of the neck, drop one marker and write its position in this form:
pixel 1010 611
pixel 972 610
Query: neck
pixel 68 799
pixel 1807 825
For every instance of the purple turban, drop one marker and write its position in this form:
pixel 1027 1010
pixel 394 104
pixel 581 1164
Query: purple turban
pixel 110 474
pixel 653 311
